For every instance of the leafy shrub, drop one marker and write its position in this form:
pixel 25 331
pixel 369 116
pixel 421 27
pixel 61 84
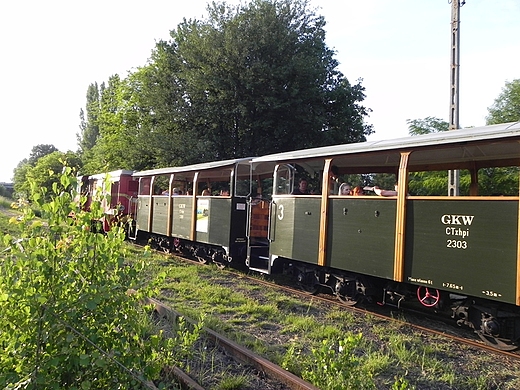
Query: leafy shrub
pixel 333 365
pixel 67 320
pixel 3 192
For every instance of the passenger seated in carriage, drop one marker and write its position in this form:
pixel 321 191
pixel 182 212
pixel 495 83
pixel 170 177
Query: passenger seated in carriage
pixel 302 188
pixel 358 191
pixel 345 189
pixel 380 192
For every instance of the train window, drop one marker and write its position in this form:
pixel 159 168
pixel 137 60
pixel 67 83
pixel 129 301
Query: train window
pixel 213 188
pixel 161 184
pixel 284 179
pixel 243 179
pixel 265 187
pixel 144 185
pixel 181 187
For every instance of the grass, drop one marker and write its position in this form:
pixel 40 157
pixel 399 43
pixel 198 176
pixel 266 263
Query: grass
pixel 387 354
pixel 5 214
pixel 5 202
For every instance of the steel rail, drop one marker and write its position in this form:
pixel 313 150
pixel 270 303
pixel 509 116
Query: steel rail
pixel 330 300
pixel 240 353
pixel 333 301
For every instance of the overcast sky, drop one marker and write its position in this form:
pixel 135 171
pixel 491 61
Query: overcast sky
pixel 53 50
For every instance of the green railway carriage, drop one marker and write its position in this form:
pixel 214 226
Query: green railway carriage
pixel 442 251
pixel 457 255
pixel 198 209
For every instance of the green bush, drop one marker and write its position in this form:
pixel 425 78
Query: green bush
pixel 332 365
pixel 68 321
pixel 3 192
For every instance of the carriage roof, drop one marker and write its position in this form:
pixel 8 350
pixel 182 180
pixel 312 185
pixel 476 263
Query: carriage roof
pixel 456 147
pixel 192 168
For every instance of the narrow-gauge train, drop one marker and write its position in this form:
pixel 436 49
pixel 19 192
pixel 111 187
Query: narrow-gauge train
pixel 452 255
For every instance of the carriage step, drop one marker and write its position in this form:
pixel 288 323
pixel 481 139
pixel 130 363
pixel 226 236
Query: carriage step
pixel 258 259
pixel 261 270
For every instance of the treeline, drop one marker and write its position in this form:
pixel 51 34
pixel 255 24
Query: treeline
pixel 246 80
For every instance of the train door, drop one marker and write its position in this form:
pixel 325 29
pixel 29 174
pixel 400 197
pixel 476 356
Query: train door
pixel 262 209
pixel 258 234
pixel 259 217
pixel 144 207
pixel 295 222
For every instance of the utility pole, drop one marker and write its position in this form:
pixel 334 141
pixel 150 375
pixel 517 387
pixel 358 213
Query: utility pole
pixel 453 175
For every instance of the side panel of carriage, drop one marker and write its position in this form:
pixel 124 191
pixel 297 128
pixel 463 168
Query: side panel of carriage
pixel 182 216
pixel 180 220
pixel 221 221
pixel 463 246
pixel 160 216
pixel 295 228
pixel 144 205
pixel 361 235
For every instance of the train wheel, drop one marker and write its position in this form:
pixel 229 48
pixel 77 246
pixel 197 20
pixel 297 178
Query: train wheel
pixel 347 292
pixel 308 282
pixel 489 332
pixel 218 260
pixel 202 260
pixel 428 297
pixel 497 343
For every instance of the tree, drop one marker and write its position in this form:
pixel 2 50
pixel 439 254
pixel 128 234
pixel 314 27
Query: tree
pixel 246 81
pixel 506 107
pixel 40 151
pixel 21 185
pixel 260 79
pixel 48 169
pixel 89 126
pixel 126 137
pixel 427 125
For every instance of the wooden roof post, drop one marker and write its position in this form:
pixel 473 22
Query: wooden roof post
pixel 400 220
pixel 322 248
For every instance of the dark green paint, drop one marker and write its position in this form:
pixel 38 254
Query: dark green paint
pixel 143 210
pixel 295 228
pixel 361 235
pixel 486 268
pixel 182 216
pixel 160 215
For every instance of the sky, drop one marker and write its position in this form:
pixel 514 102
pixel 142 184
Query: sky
pixel 53 50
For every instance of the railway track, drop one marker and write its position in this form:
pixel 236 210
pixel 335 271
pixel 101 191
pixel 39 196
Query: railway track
pixel 232 279
pixel 376 311
pixel 238 352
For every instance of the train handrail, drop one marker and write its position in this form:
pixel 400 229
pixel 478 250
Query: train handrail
pixel 269 219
